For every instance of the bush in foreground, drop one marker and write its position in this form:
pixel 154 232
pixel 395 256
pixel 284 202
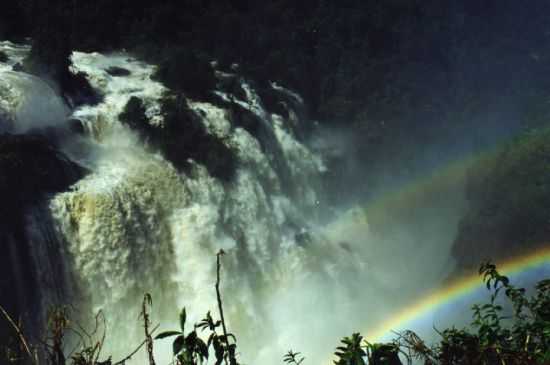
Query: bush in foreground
pixel 518 335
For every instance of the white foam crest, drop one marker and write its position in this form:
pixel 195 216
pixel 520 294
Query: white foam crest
pixel 117 90
pixel 16 54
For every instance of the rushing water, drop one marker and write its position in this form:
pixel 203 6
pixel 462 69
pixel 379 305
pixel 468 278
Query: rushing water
pixel 136 224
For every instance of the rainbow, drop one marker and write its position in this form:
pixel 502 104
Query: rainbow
pixel 440 181
pixel 538 258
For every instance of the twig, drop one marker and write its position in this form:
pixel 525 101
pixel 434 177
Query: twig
pixel 123 361
pixel 219 297
pixel 102 342
pixel 147 300
pixel 20 335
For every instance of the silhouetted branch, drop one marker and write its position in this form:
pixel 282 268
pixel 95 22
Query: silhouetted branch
pixel 20 335
pixel 147 300
pixel 123 361
pixel 219 297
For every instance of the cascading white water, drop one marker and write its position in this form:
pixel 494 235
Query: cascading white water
pixel 135 225
pixel 26 101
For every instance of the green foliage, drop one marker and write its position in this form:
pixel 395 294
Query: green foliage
pixel 357 351
pixel 190 349
pixel 521 337
pixel 525 339
pixel 383 354
pixel 351 352
pixel 515 336
pixel 293 358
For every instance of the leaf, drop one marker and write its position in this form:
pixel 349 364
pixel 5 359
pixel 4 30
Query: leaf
pixel 210 338
pixel 167 334
pixel 177 346
pixel 183 318
pixel 202 348
pixel 148 299
pixel 218 349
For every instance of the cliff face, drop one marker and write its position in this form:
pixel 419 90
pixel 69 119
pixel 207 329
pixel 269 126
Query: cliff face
pixel 30 170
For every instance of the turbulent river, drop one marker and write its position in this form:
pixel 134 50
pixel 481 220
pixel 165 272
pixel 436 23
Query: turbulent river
pixel 135 224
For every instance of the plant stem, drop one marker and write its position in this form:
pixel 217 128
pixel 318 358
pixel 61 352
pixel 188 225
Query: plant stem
pixel 147 300
pixel 20 335
pixel 219 297
pixel 123 361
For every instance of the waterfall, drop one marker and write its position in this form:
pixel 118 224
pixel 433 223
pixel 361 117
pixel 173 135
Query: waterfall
pixel 138 224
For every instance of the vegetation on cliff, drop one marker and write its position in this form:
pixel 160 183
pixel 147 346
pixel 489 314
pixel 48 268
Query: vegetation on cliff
pixel 508 193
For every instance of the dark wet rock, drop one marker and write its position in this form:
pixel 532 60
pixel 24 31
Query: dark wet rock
pixel 134 117
pixel 182 137
pixel 30 167
pixel 231 84
pixel 262 130
pixel 78 91
pixel 76 126
pixel 273 102
pixel 50 59
pixel 186 71
pixel 118 71
pixel 18 67
pixel 185 137
pixel 244 118
pixel 3 57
